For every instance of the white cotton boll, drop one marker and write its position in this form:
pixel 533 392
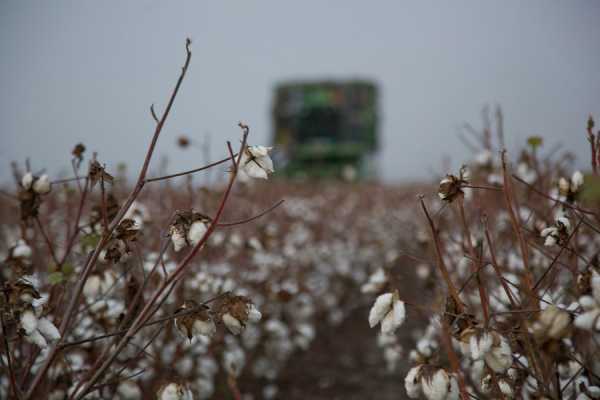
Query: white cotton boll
pixel 128 390
pixel 394 318
pixel 196 232
pixel 499 359
pixel 587 302
pixel 205 387
pixel 254 315
pixel 184 365
pixel 412 384
pixel 205 328
pixel 480 346
pixel 21 250
pixel 253 170
pixel 178 240
pixel 375 283
pixel 256 163
pixel 36 338
pixel 234 361
pixel 576 180
pixel 550 241
pixel 436 388
pixel 595 283
pixel 563 185
pixel 27 180
pixel 29 322
pixel 484 158
pixel 588 319
pixel 232 324
pixel 382 306
pixel 506 388
pixel 549 231
pixel 564 221
pixel 175 391
pixel 91 288
pixel 47 328
pixel 453 392
pixel 42 185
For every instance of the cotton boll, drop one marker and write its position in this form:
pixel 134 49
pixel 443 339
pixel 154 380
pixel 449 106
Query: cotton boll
pixel 412 384
pixel 232 324
pixel 205 328
pixel 254 315
pixel 128 390
pixel 42 185
pixel 588 319
pixel 196 232
pixel 576 181
pixel 21 250
pixel 91 288
pixel 27 180
pixel 174 391
pixel 178 239
pixel 436 387
pixel 47 328
pixel 205 387
pixel 29 322
pixel 480 346
pixel 256 163
pixel 36 338
pixel 499 359
pixel 382 306
pixel 394 318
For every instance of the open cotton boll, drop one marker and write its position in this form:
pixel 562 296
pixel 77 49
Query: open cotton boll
pixel 233 324
pixel 178 239
pixel 412 384
pixel 576 180
pixel 36 338
pixel 21 250
pixel 438 386
pixel 175 391
pixel 256 163
pixel 480 346
pixel 29 322
pixel 48 329
pixel 206 328
pixel 42 185
pixel 254 315
pixel 129 390
pixel 382 306
pixel 196 232
pixel 394 318
pixel 499 358
pixel 27 180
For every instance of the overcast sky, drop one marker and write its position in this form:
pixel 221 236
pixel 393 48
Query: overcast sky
pixel 87 71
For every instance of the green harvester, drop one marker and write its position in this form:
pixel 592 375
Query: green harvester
pixel 326 129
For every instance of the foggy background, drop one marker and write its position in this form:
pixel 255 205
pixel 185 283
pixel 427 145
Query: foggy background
pixel 83 71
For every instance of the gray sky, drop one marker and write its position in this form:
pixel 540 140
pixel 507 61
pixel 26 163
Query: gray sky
pixel 88 70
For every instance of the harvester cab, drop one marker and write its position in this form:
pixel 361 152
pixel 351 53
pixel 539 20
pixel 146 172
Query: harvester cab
pixel 326 129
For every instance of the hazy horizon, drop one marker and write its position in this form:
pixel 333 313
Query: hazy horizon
pixel 88 72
